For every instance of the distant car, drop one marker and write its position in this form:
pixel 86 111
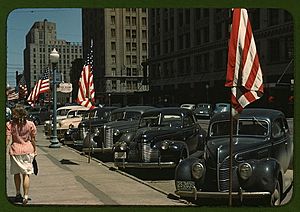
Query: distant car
pixel 221 107
pixel 203 111
pixel 90 122
pixel 72 120
pixel 188 106
pixel 61 113
pixel 164 137
pixel 262 151
pixel 38 114
pixel 121 121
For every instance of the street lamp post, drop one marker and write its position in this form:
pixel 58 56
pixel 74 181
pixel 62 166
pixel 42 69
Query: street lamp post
pixel 54 56
pixel 207 87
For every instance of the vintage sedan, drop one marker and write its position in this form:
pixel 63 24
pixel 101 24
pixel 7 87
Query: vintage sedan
pixel 203 111
pixel 72 120
pixel 165 136
pixel 90 122
pixel 262 151
pixel 121 121
pixel 61 113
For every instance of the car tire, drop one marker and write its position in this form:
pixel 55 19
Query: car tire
pixel 275 199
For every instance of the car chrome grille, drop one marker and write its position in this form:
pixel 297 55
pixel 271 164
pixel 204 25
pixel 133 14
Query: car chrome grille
pixel 108 138
pixel 224 175
pixel 82 132
pixel 148 153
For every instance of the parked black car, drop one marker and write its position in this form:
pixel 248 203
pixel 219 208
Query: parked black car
pixel 121 120
pixel 90 121
pixel 164 137
pixel 203 111
pixel 38 114
pixel 262 151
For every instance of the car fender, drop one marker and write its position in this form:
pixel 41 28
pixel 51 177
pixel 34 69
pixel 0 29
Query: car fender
pixel 183 171
pixel 265 173
pixel 90 140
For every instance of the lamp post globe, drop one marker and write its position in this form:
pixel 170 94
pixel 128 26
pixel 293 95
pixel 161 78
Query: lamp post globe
pixel 54 56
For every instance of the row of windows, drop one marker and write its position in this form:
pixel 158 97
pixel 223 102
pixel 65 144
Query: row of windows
pixel 130 59
pixel 127 71
pixel 129 21
pixel 128 84
pixel 60 50
pixel 129 46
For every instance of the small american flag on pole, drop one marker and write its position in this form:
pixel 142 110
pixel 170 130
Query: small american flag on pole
pixel 41 86
pixel 244 74
pixel 86 91
pixel 22 88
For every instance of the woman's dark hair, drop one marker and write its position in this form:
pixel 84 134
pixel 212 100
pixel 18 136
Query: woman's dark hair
pixel 19 114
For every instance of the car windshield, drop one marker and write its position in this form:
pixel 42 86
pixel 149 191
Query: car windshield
pixel 62 112
pixel 245 128
pixel 127 115
pixel 165 120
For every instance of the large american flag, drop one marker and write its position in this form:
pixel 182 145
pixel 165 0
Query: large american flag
pixel 11 94
pixel 86 91
pixel 41 86
pixel 22 88
pixel 244 74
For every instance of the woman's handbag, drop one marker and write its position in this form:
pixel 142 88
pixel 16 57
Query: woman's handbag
pixel 35 166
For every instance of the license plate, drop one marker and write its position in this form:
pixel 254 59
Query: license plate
pixel 120 155
pixel 185 185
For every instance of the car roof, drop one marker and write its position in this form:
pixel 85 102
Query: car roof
pixel 79 108
pixel 168 110
pixel 70 107
pixel 133 108
pixel 259 113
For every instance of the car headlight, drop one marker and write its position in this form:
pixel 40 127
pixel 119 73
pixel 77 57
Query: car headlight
pixel 116 132
pixel 245 170
pixel 165 145
pixel 198 170
pixel 123 146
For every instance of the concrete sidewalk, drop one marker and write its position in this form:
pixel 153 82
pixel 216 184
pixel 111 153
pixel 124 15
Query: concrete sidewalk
pixel 66 178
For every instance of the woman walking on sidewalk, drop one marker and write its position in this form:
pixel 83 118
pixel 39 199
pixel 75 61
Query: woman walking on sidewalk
pixel 22 150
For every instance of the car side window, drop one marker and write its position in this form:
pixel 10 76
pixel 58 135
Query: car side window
pixel 187 121
pixel 277 128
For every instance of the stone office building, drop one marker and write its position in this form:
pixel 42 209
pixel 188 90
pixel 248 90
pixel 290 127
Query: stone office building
pixel 120 45
pixel 40 41
pixel 188 54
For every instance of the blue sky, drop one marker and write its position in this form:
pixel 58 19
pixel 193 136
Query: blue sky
pixel 19 22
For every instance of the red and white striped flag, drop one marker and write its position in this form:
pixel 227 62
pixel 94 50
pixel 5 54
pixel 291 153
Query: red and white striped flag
pixel 244 74
pixel 86 91
pixel 41 86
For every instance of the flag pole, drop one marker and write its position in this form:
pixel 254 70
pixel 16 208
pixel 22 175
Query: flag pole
pixel 230 154
pixel 90 122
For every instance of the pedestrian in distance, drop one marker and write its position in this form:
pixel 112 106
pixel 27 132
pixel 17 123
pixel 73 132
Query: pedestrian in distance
pixel 20 138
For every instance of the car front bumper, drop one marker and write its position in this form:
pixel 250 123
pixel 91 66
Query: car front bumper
pixel 240 195
pixel 145 164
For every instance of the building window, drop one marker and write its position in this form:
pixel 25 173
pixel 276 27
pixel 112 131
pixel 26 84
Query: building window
pixel 127 21
pixel 113 20
pixel 128 71
pixel 113 85
pixel 128 60
pixel 134 72
pixel 144 47
pixel 133 21
pixel 144 21
pixel 128 47
pixel 133 33
pixel 144 34
pixel 113 46
pixel 113 33
pixel 134 59
pixel 133 46
pixel 113 59
pixel 127 33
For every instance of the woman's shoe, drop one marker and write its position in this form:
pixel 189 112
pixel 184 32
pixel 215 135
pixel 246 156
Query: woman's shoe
pixel 25 201
pixel 18 198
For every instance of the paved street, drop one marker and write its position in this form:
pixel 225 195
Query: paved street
pixel 66 178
